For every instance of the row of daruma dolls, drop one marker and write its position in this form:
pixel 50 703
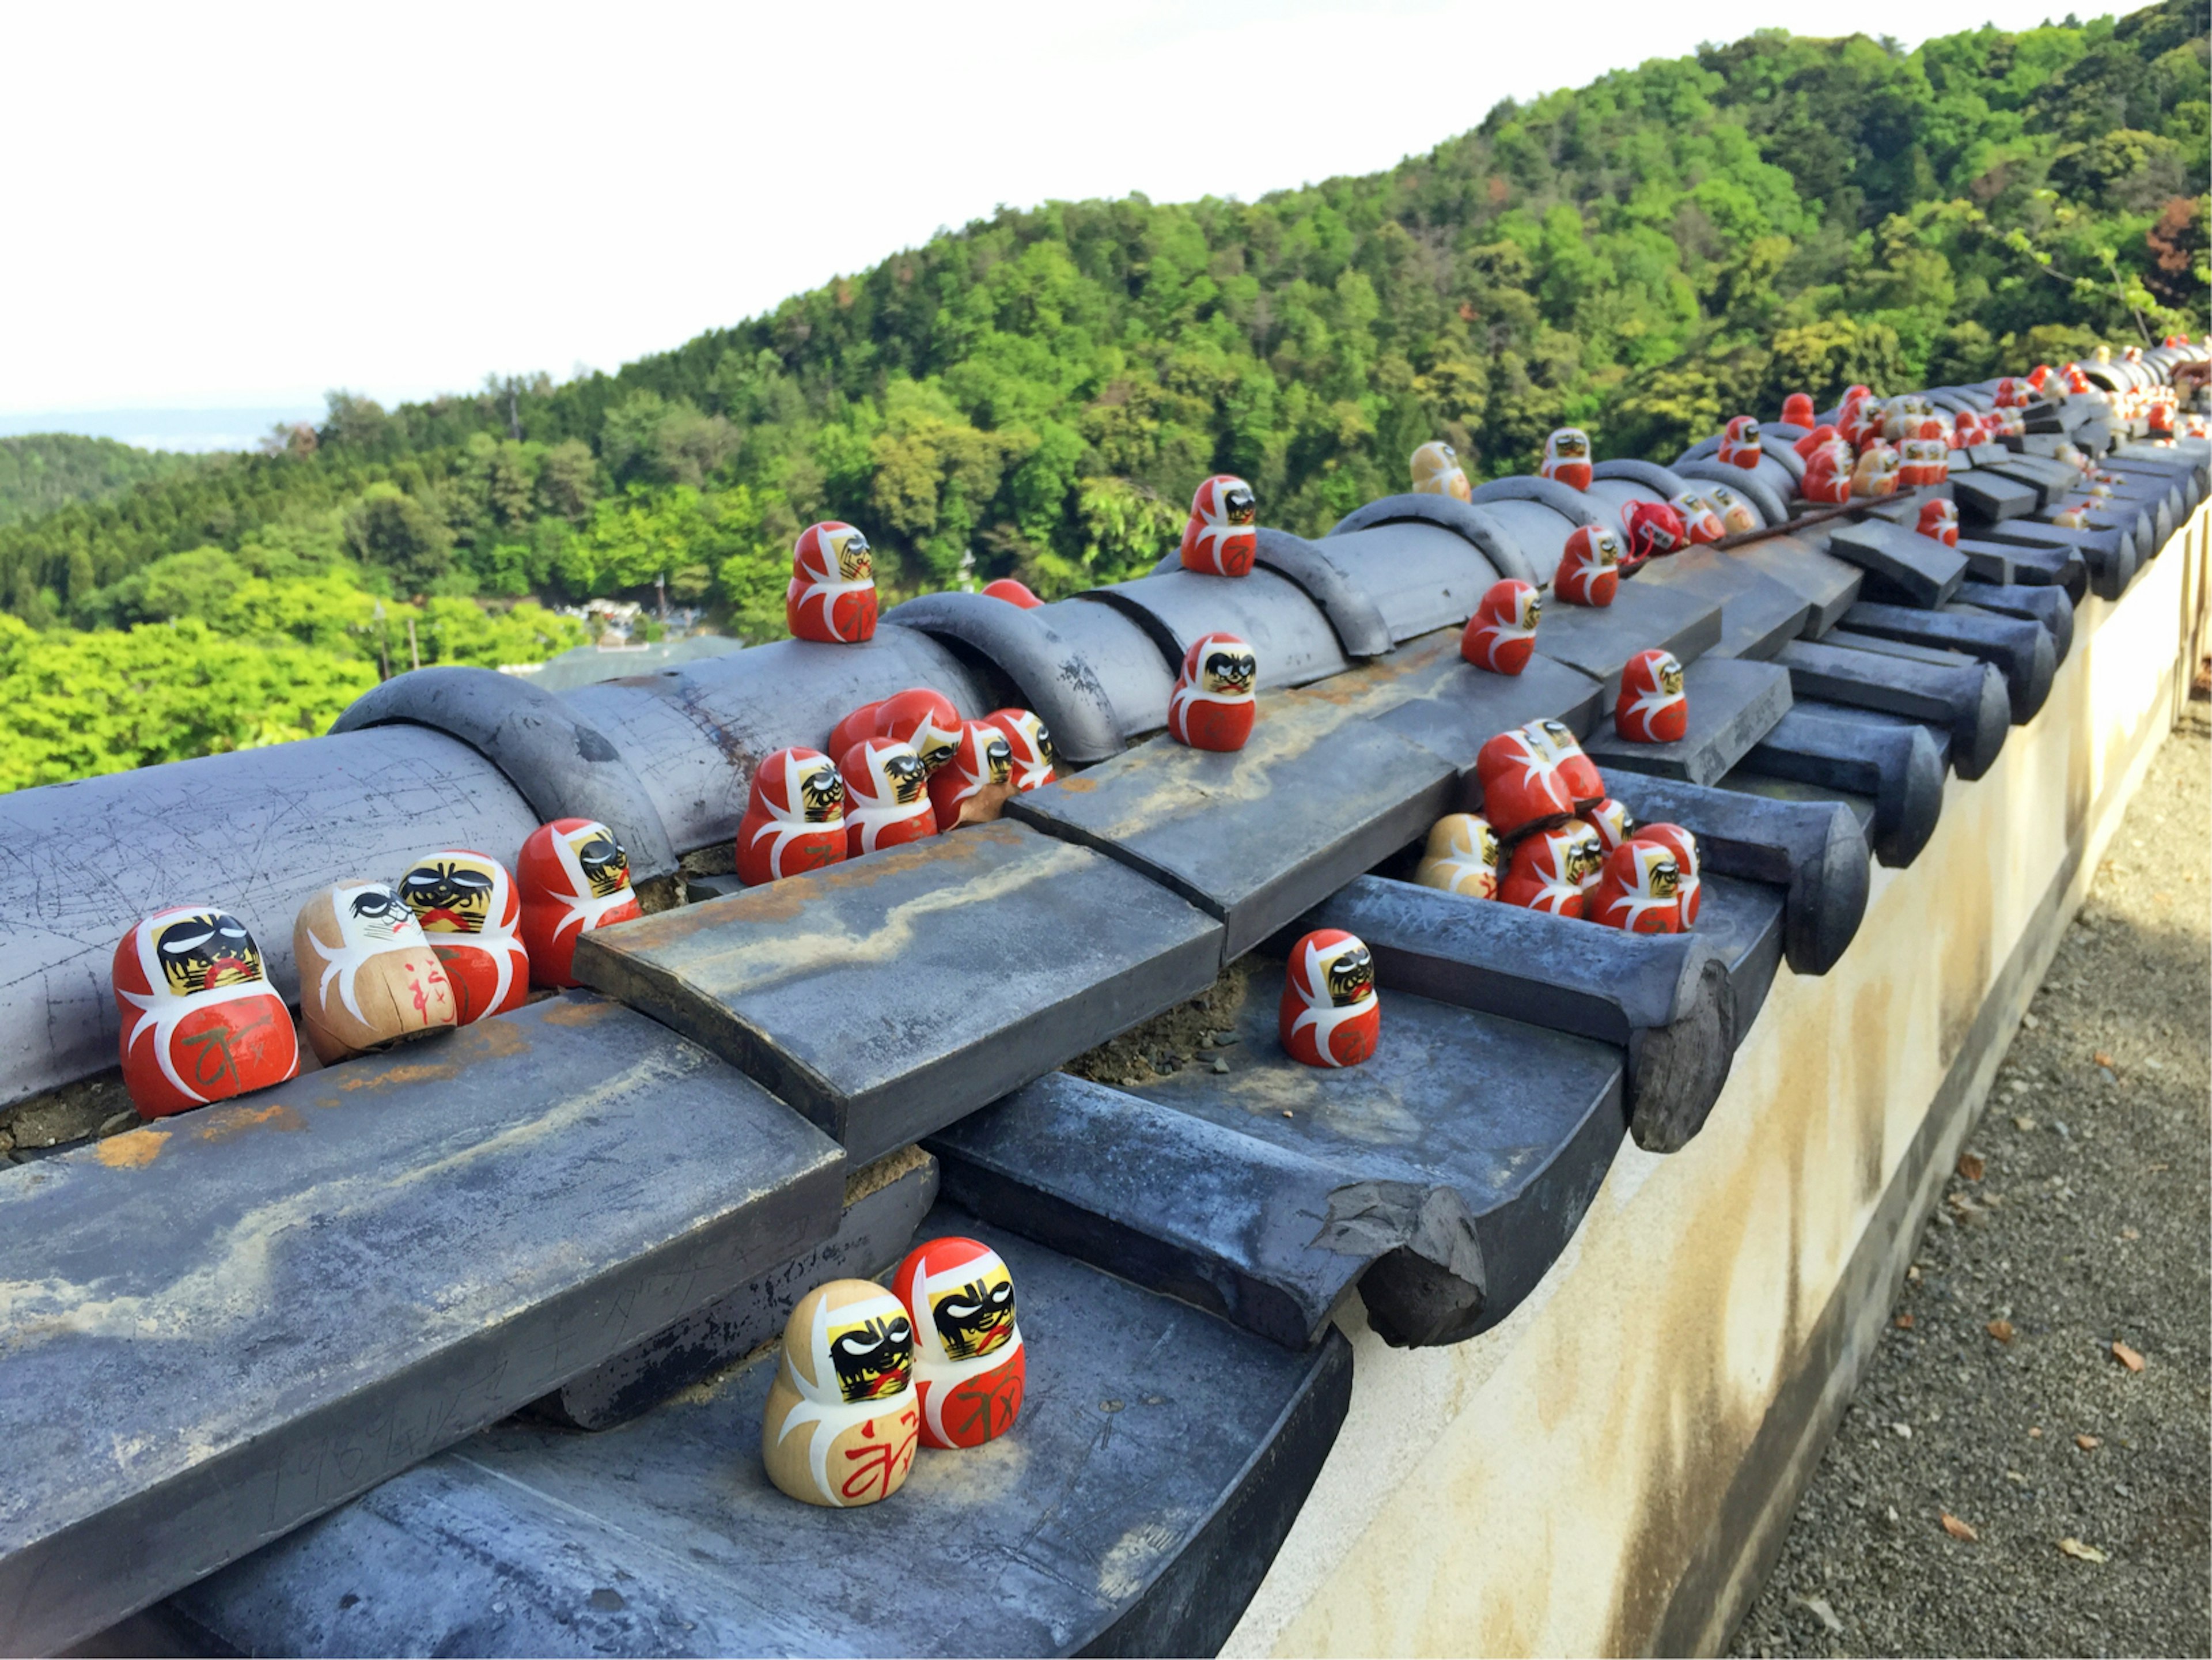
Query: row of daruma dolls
pixel 868 1375
pixel 831 600
pixel 454 940
pixel 2158 407
pixel 1549 838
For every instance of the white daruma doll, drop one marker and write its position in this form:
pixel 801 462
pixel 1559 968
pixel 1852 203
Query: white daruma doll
pixel 843 1423
pixel 970 1366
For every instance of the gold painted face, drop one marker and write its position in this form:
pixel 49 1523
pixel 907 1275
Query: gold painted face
pixel 450 895
pixel 1042 737
pixel 855 563
pixel 975 1317
pixel 873 1355
pixel 1670 678
pixel 1229 671
pixel 822 795
pixel 1488 848
pixel 907 778
pixel 998 760
pixel 605 865
pixel 1605 548
pixel 1585 856
pixel 1532 610
pixel 203 951
pixel 1351 976
pixel 1239 504
pixel 1666 878
pixel 1569 446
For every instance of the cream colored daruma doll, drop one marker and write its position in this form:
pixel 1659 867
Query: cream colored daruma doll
pixel 969 1366
pixel 367 975
pixel 1463 856
pixel 843 1423
pixel 1437 471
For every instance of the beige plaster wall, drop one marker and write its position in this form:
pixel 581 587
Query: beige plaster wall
pixel 1562 1484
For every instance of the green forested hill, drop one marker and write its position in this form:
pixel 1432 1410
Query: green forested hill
pixel 45 471
pixel 1037 394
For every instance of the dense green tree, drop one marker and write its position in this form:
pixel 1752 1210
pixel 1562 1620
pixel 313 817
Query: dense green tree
pixel 1038 393
pixel 392 532
pixel 50 469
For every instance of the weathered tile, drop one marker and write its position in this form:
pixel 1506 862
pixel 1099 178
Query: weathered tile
pixel 1442 1176
pixel 1662 999
pixel 1317 795
pixel 665 1536
pixel 1966 699
pixel 2024 652
pixel 885 1203
pixel 1899 766
pixel 289 1298
pixel 885 996
pixel 1733 703
pixel 1599 640
pixel 1813 852
pixel 1900 565
pixel 1756 612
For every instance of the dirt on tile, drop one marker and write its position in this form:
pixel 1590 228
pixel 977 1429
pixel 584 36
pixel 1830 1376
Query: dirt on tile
pixel 2025 1467
pixel 1169 1041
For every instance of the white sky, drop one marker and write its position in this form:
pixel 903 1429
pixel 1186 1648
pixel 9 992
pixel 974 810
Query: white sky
pixel 245 206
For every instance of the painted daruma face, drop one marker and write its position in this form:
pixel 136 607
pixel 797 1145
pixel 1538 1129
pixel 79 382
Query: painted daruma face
pixel 470 912
pixel 1229 671
pixel 451 892
pixel 205 950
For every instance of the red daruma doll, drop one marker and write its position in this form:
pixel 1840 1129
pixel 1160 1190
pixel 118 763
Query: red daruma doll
pixel 1551 869
pixel 1652 707
pixel 1330 1015
pixel 1590 567
pixel 887 796
pixel 574 877
pixel 200 1022
pixel 1501 636
pixel 794 817
pixel 469 913
pixel 1637 891
pixel 969 1367
pixel 1213 708
pixel 1220 539
pixel 1029 747
pixel 832 595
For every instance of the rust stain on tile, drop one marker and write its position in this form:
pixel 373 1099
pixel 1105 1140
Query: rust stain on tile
pixel 222 1123
pixel 132 1150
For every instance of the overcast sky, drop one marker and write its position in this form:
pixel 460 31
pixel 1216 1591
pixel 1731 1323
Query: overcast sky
pixel 238 206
